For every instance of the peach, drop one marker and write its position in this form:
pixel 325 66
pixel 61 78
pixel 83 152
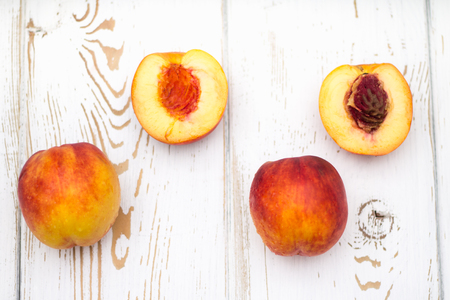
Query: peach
pixel 298 205
pixel 69 195
pixel 366 109
pixel 179 98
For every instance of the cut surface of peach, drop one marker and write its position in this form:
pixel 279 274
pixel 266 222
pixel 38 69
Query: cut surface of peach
pixel 178 97
pixel 366 109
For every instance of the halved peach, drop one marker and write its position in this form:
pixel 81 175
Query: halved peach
pixel 366 109
pixel 177 97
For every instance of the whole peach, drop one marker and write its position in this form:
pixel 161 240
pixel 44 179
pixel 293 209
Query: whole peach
pixel 298 205
pixel 69 195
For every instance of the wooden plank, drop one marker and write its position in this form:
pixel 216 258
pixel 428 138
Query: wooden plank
pixel 10 218
pixel 439 32
pixel 278 60
pixel 169 239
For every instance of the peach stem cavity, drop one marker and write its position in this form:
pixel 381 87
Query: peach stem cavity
pixel 178 90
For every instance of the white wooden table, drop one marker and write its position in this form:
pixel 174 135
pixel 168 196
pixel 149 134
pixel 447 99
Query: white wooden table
pixel 184 230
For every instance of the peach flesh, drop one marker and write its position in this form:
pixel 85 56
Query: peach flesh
pixel 179 90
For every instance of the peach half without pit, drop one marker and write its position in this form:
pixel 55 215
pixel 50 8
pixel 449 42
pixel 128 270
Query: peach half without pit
pixel 179 98
pixel 366 109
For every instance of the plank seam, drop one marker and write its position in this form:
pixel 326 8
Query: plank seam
pixel 23 131
pixel 433 138
pixel 226 118
pixel 227 146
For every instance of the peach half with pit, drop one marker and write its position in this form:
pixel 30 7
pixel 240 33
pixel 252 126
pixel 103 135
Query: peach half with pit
pixel 178 97
pixel 366 109
pixel 69 195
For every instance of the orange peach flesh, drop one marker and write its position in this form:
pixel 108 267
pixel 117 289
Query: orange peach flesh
pixel 343 128
pixel 177 97
pixel 178 90
pixel 69 195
